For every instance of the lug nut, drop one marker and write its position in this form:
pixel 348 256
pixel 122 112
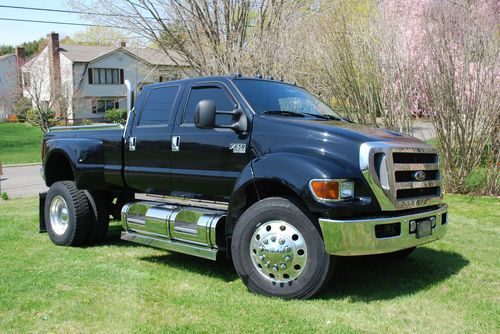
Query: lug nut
pixel 288 258
pixel 282 241
pixel 283 266
pixel 267 265
pixel 287 249
pixel 275 268
pixel 265 241
pixel 262 248
pixel 262 257
pixel 273 238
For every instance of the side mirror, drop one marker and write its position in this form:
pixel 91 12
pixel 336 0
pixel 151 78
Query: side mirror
pixel 204 116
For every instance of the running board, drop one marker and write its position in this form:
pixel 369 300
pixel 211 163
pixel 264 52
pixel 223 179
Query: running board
pixel 176 246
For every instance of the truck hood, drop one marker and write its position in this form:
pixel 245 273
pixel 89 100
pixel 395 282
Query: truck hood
pixel 335 141
pixel 334 129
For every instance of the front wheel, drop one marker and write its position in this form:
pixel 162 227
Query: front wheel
pixel 278 251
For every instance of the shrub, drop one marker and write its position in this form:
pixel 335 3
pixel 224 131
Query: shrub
pixel 116 116
pixel 21 107
pixel 5 196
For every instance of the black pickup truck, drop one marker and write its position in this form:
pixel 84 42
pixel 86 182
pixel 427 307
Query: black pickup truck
pixel 256 170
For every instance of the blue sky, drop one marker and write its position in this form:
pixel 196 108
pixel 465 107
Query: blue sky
pixel 17 32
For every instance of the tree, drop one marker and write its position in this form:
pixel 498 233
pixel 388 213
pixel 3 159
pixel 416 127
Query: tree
pixel 213 37
pixel 30 48
pixel 50 104
pixel 100 36
pixel 461 80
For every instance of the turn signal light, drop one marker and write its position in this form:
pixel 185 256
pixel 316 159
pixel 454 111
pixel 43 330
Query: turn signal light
pixel 324 189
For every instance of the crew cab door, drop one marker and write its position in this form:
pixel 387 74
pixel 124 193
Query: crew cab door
pixel 147 150
pixel 207 161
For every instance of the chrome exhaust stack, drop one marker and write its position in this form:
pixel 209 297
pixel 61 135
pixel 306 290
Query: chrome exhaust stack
pixel 130 106
pixel 130 96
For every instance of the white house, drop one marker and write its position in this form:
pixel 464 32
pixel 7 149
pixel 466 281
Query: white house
pixel 8 83
pixel 88 80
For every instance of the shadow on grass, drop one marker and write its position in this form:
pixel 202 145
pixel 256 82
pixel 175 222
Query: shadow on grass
pixel 370 278
pixel 362 278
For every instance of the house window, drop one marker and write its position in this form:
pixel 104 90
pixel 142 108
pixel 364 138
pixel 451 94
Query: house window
pixel 101 105
pixel 105 76
pixel 26 79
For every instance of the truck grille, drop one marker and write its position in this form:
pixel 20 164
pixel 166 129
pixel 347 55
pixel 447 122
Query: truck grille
pixel 402 176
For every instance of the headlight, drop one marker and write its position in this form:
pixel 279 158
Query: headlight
pixel 331 190
pixel 346 189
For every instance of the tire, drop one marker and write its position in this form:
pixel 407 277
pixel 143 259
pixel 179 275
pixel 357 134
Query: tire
pixel 281 222
pixel 66 214
pixel 398 255
pixel 100 208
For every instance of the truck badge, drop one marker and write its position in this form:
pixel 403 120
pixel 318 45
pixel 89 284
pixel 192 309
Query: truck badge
pixel 238 148
pixel 420 175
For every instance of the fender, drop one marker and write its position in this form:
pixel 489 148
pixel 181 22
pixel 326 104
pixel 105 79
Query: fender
pixel 85 156
pixel 293 171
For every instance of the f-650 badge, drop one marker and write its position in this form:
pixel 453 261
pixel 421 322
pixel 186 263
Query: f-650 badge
pixel 238 148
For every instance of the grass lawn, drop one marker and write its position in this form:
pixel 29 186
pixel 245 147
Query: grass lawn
pixel 20 143
pixel 450 286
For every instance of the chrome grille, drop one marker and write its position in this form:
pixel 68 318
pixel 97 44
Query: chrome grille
pixel 403 175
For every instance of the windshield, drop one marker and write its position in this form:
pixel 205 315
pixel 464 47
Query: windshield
pixel 268 97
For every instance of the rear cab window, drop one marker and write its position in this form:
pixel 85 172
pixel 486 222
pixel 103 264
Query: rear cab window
pixel 158 106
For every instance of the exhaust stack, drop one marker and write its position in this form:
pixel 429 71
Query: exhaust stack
pixel 130 96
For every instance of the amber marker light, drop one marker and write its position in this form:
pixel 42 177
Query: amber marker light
pixel 325 190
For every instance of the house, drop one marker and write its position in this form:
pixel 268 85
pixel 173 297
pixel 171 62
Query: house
pixel 83 81
pixel 9 81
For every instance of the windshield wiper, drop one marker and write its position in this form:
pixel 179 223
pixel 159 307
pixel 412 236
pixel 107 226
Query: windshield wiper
pixel 284 113
pixel 302 114
pixel 328 117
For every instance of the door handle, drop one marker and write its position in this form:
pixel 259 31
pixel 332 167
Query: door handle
pixel 131 143
pixel 176 143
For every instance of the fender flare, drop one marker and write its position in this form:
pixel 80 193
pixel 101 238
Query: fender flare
pixel 291 170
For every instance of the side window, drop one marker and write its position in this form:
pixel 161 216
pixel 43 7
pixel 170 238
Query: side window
pixel 223 102
pixel 158 106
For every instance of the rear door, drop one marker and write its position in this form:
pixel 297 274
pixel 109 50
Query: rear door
pixel 147 162
pixel 207 161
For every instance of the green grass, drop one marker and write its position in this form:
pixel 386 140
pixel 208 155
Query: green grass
pixel 20 143
pixel 450 286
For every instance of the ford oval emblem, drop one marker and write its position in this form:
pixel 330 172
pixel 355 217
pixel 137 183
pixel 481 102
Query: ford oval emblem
pixel 420 175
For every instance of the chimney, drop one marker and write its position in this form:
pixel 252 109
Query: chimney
pixel 54 63
pixel 20 60
pixel 123 44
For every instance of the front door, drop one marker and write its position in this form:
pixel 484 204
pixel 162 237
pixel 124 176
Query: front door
pixel 147 153
pixel 207 161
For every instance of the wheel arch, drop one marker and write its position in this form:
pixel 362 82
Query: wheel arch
pixel 58 167
pixel 274 175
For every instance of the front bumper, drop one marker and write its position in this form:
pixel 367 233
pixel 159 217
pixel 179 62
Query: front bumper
pixel 357 237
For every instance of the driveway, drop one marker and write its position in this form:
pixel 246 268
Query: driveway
pixel 22 181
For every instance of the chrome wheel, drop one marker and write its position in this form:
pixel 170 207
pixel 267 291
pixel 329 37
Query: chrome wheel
pixel 278 251
pixel 59 215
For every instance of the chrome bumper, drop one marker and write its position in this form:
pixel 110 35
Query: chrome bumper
pixel 357 237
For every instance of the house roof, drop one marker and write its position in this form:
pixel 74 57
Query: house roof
pixel 87 53
pixel 7 56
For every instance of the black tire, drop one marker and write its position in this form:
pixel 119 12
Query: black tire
pixel 75 234
pixel 399 255
pixel 100 206
pixel 317 269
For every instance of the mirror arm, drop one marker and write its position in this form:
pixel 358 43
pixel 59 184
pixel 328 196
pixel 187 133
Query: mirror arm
pixel 236 126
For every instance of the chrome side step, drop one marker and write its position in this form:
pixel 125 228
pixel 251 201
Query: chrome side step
pixel 186 229
pixel 176 246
